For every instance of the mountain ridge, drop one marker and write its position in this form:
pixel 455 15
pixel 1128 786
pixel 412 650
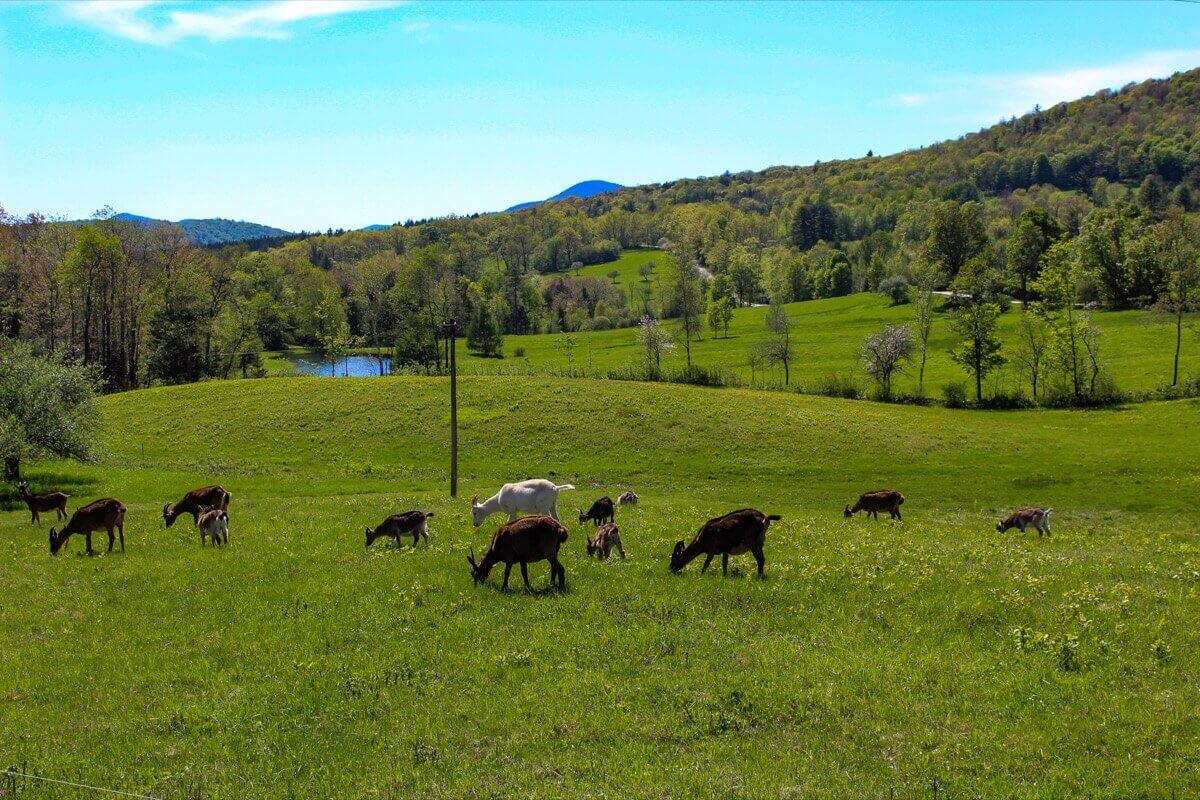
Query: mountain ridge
pixel 212 230
pixel 583 189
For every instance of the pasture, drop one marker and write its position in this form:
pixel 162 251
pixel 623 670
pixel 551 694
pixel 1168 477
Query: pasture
pixel 875 656
pixel 828 336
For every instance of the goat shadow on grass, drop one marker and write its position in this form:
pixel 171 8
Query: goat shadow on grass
pixel 80 489
pixel 547 590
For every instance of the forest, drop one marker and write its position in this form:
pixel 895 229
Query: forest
pixel 1089 204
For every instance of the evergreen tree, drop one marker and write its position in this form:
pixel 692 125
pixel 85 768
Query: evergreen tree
pixel 1042 172
pixel 815 221
pixel 483 335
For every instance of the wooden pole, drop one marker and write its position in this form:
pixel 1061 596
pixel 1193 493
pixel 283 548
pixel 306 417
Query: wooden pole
pixel 453 411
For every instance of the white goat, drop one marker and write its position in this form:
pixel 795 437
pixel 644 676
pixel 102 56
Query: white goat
pixel 536 496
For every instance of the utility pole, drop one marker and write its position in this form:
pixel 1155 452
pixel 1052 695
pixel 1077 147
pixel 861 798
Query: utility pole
pixel 449 327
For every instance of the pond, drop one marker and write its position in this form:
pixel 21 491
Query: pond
pixel 348 367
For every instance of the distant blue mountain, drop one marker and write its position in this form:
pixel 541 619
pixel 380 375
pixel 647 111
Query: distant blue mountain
pixel 584 189
pixel 376 228
pixel 213 231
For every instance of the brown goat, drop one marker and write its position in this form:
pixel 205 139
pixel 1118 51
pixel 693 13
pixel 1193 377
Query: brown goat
pixel 601 511
pixel 888 500
pixel 742 531
pixel 104 515
pixel 1034 517
pixel 52 501
pixel 213 522
pixel 523 541
pixel 196 500
pixel 410 523
pixel 608 537
pixel 628 498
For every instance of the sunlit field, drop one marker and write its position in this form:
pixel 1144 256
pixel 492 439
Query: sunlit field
pixel 875 656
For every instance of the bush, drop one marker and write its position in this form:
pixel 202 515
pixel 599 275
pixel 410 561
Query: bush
pixel 1005 401
pixel 518 352
pixel 896 289
pixel 837 386
pixel 955 395
pixel 595 324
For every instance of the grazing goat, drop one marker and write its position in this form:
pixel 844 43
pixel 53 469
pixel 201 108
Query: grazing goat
pixel 52 501
pixel 213 522
pixel 194 501
pixel 536 496
pixel 1036 517
pixel 602 511
pixel 608 537
pixel 888 500
pixel 104 515
pixel 410 523
pixel 629 498
pixel 735 533
pixel 523 542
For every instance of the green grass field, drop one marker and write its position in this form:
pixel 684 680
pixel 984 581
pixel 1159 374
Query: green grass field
pixel 1137 347
pixel 829 335
pixel 874 657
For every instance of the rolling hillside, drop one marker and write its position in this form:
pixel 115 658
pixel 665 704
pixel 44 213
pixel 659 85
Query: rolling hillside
pixel 178 671
pixel 214 231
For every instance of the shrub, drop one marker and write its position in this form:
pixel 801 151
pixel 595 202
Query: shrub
pixel 1004 401
pixel 835 385
pixel 519 352
pixel 955 395
pixel 896 289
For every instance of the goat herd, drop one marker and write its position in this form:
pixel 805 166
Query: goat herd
pixel 522 540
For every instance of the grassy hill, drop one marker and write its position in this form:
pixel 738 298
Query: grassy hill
pixel 875 656
pixel 828 337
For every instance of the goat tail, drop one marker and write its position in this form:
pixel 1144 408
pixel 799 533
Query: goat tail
pixel 900 502
pixel 773 517
pixel 429 514
pixel 565 486
pixel 562 537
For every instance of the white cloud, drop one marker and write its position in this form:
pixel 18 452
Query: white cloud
pixel 162 22
pixel 913 100
pixel 999 96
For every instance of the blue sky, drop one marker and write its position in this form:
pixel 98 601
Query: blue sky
pixel 342 113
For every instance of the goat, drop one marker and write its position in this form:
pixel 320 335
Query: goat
pixel 410 523
pixel 735 533
pixel 53 501
pixel 523 542
pixel 194 501
pixel 629 498
pixel 99 515
pixel 602 511
pixel 888 500
pixel 608 537
pixel 1036 517
pixel 213 522
pixel 536 496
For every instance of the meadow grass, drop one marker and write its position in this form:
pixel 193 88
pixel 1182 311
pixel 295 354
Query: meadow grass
pixel 874 657
pixel 1137 348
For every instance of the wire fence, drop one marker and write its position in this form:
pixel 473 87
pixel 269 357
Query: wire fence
pixel 19 782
